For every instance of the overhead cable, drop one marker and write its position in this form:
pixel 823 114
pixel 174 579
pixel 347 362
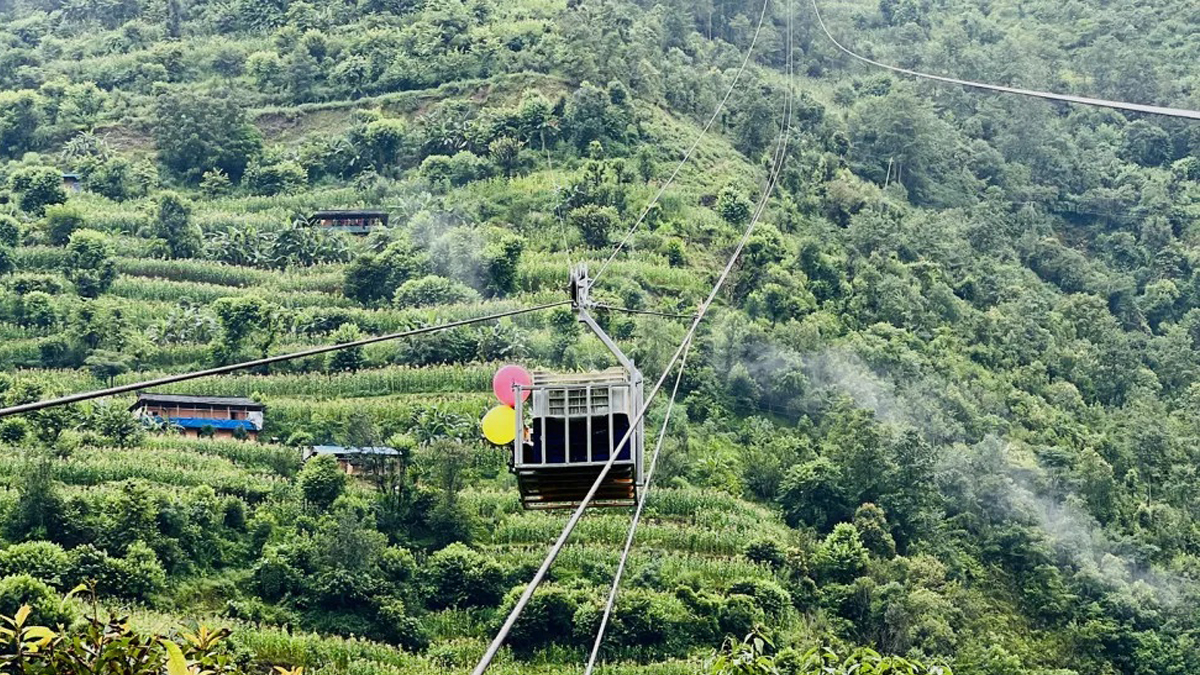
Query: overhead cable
pixel 643 495
pixel 540 575
pixel 637 517
pixel 221 370
pixel 630 310
pixel 1068 98
pixel 695 143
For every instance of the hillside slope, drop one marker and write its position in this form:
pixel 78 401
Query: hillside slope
pixel 948 407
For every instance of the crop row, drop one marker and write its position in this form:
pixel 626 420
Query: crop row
pixel 91 466
pixel 322 279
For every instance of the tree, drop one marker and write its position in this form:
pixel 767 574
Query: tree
pixel 61 222
pixel 106 365
pixel 431 290
pixel 7 262
pixel 842 556
pixel 897 135
pixel 173 224
pixel 174 19
pixel 241 318
pixel 20 116
pixel 10 230
pixel 301 73
pixel 118 425
pixel 372 277
pixel 460 577
pixel 594 223
pixel 39 187
pixel 350 359
pixel 1146 144
pixel 215 183
pixel 733 206
pixel 89 263
pixel 506 153
pixel 39 511
pixel 873 530
pixel 274 178
pixel 195 132
pixel 322 481
pixel 811 494
pixel 501 257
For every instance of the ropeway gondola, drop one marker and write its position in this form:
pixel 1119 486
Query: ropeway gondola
pixel 576 421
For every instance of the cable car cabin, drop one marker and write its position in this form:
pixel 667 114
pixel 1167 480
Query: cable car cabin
pixel 578 420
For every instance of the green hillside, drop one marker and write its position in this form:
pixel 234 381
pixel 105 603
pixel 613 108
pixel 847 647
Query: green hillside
pixel 946 410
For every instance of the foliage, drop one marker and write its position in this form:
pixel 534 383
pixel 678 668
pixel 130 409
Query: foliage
pixel 195 133
pixel 322 481
pixel 89 264
pixel 39 187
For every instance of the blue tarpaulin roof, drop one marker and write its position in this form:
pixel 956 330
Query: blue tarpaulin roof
pixel 201 422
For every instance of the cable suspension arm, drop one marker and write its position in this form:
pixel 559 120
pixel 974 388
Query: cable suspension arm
pixel 1104 103
pixel 221 370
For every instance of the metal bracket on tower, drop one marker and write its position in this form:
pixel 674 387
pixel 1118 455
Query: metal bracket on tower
pixel 581 301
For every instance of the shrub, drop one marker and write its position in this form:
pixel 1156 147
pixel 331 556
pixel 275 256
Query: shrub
pixel 10 230
pixel 770 596
pixel 740 615
pixel 275 178
pixel 398 627
pixel 143 573
pixel 42 560
pixel 842 556
pixel 61 223
pixel 457 576
pixel 39 186
pixel 766 551
pixel 322 481
pixel 89 264
pixel 549 615
pixel 274 575
pixel 432 290
pixel 594 223
pixel 136 576
pixel 641 619
pixel 45 605
pixel 13 430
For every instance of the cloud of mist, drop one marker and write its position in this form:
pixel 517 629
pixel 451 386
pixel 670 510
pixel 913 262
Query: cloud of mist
pixel 455 249
pixel 1078 540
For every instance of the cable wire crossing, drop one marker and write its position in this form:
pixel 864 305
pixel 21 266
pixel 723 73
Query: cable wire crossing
pixel 695 143
pixel 643 495
pixel 1084 100
pixel 637 517
pixel 221 370
pixel 539 576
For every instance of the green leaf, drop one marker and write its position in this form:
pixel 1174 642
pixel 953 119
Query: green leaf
pixel 176 664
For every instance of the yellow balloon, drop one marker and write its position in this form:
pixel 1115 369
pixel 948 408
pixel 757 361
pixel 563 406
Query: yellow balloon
pixel 500 425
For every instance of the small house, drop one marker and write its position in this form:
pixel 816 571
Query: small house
pixel 218 416
pixel 355 461
pixel 72 182
pixel 353 221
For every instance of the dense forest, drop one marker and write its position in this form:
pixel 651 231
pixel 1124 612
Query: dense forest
pixel 945 415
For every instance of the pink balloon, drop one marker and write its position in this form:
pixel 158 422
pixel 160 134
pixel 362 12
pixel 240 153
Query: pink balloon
pixel 505 379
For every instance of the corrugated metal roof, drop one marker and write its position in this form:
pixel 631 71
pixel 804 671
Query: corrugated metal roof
pixel 342 450
pixel 349 213
pixel 220 401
